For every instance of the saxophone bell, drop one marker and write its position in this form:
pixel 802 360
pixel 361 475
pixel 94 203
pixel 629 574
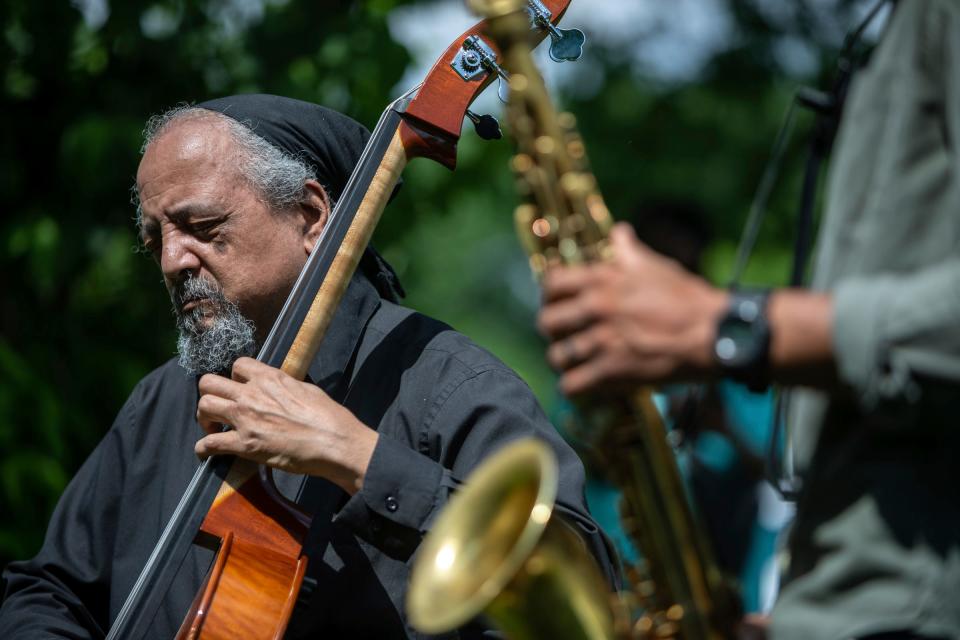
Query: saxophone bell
pixel 499 549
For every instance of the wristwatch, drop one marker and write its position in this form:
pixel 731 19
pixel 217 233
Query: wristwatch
pixel 742 344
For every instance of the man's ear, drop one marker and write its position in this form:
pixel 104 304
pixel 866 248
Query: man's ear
pixel 315 209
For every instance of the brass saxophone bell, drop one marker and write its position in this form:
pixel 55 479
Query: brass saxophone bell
pixel 499 549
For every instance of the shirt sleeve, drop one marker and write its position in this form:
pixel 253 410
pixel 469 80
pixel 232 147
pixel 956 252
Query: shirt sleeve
pixel 404 489
pixel 894 332
pixel 63 592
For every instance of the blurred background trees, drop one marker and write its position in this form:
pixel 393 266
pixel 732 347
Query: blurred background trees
pixel 677 101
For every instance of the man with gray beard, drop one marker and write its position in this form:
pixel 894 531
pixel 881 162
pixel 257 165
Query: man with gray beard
pixel 232 198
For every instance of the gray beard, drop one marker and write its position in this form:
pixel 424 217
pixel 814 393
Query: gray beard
pixel 210 343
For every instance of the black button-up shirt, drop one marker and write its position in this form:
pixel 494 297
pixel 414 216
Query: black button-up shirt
pixel 440 405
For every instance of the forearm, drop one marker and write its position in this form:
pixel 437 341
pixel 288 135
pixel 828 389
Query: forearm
pixel 801 338
pixel 868 334
pixel 404 490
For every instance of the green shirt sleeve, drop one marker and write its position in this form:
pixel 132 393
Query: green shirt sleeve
pixel 891 331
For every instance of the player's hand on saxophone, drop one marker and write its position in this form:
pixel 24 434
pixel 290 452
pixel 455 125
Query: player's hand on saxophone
pixel 637 318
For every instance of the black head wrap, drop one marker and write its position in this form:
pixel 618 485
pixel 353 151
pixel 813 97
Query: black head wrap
pixel 329 141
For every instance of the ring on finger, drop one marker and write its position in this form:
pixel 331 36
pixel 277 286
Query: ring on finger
pixel 569 351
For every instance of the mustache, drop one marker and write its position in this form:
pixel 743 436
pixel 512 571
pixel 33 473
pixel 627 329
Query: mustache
pixel 195 288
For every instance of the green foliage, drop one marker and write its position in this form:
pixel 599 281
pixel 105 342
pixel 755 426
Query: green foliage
pixel 83 315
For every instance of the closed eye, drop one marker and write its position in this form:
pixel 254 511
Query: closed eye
pixel 205 229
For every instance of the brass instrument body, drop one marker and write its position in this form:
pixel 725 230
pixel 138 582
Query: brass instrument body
pixel 565 221
pixel 498 549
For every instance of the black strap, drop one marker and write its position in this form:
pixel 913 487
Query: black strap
pixel 804 233
pixel 829 107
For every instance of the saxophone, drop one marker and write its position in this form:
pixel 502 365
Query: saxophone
pixel 563 220
pixel 497 548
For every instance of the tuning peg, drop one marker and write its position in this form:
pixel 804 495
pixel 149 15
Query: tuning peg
pixel 474 58
pixel 566 44
pixel 486 126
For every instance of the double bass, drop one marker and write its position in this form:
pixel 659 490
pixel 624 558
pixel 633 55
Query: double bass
pixel 232 505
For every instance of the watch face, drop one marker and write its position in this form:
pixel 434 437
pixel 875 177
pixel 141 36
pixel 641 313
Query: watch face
pixel 737 343
pixel 742 345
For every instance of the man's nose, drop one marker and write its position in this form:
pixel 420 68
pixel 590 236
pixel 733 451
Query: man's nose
pixel 178 258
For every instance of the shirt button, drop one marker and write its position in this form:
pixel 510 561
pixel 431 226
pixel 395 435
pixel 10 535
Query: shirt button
pixel 392 504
